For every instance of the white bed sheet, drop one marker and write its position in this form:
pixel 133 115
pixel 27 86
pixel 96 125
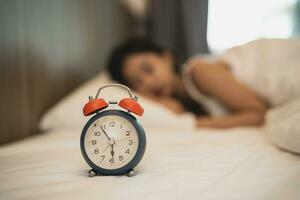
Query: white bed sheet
pixel 200 164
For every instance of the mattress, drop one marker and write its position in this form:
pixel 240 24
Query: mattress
pixel 237 163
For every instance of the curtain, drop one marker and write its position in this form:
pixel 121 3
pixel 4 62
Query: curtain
pixel 180 25
pixel 297 19
pixel 47 48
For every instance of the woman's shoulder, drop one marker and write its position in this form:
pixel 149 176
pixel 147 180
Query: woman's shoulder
pixel 201 58
pixel 198 72
pixel 203 63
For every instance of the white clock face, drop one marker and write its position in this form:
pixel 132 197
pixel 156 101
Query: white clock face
pixel 111 142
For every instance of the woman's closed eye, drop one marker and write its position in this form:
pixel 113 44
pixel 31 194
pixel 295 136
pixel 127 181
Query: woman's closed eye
pixel 147 69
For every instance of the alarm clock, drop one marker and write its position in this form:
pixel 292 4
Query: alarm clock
pixel 113 142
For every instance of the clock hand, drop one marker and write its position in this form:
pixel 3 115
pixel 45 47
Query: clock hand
pixel 112 150
pixel 105 133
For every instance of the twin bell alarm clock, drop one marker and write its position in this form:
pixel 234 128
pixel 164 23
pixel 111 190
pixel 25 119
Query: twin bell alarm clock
pixel 112 141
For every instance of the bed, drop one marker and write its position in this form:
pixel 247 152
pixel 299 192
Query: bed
pixel 181 162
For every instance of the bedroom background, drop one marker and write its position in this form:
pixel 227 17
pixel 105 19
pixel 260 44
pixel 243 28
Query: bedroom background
pixel 48 48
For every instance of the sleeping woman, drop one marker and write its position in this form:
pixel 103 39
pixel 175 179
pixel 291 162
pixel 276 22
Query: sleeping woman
pixel 234 89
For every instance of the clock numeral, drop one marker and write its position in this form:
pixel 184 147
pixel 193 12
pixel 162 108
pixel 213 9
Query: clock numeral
pixel 121 158
pixel 112 160
pixel 130 142
pixel 111 124
pixel 97 133
pixel 103 156
pixel 121 125
pixel 127 133
pixel 94 142
pixel 127 151
pixel 96 151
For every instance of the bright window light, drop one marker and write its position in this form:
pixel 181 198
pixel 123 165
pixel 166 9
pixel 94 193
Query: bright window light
pixel 235 22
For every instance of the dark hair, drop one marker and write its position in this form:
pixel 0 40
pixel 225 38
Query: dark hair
pixel 125 49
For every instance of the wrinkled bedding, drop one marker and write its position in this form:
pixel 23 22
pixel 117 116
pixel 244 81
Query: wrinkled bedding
pixel 213 164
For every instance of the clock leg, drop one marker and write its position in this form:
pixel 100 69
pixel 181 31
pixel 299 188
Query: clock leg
pixel 131 173
pixel 92 173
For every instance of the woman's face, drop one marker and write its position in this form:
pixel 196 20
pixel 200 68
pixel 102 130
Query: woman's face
pixel 150 73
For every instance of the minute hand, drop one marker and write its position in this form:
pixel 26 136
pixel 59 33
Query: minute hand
pixel 105 133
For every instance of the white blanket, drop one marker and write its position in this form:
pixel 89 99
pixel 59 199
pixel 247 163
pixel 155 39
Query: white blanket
pixel 270 67
pixel 196 164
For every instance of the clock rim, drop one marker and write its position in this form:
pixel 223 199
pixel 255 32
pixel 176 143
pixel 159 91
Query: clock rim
pixel 140 150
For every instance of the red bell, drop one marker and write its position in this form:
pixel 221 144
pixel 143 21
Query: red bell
pixel 94 105
pixel 132 106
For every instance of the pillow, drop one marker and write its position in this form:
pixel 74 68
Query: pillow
pixel 68 112
pixel 283 126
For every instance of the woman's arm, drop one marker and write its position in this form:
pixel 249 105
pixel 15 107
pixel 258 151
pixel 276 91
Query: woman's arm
pixel 217 81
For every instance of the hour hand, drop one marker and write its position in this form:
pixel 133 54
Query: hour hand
pixel 112 150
